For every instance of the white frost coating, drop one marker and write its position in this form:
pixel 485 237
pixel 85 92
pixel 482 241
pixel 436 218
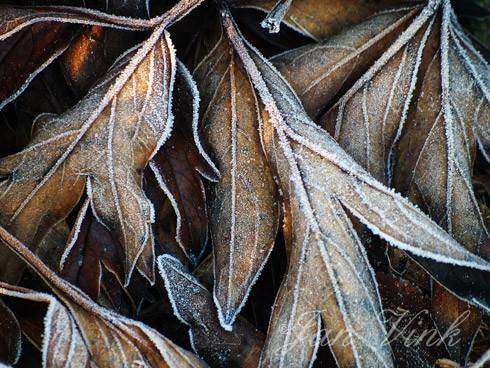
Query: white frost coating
pixel 113 90
pixel 329 151
pixel 273 20
pixel 168 285
pixel 469 63
pixel 195 117
pixel 147 8
pixel 231 245
pixel 408 100
pixel 32 76
pixel 232 317
pixel 227 326
pixel 481 145
pixel 296 292
pixel 317 340
pixel 446 107
pixel 75 232
pixel 477 263
pixel 339 297
pixel 401 41
pixel 165 134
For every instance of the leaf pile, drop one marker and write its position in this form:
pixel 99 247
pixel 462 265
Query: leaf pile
pixel 239 183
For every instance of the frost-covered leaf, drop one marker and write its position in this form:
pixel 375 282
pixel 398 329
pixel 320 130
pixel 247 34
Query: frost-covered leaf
pixel 243 208
pixel 312 18
pixel 437 149
pixel 31 38
pixel 80 333
pixel 319 72
pixel 102 144
pixel 429 92
pixel 10 336
pixel 193 305
pixel 179 165
pixel 329 276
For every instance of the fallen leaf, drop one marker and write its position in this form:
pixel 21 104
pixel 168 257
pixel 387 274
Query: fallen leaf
pixel 80 333
pixel 320 72
pixel 430 92
pixel 88 146
pixel 32 37
pixel 243 208
pixel 329 275
pixel 312 18
pixel 179 165
pixel 193 305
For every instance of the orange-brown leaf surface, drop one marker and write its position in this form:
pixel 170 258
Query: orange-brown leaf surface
pixel 101 145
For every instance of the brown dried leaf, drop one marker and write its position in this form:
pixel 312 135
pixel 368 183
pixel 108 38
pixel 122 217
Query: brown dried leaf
pixel 179 165
pixel 404 89
pixel 10 336
pixel 103 143
pixel 329 275
pixel 438 145
pixel 193 305
pixel 243 204
pixel 432 85
pixel 319 72
pixel 316 19
pixel 31 38
pixel 80 333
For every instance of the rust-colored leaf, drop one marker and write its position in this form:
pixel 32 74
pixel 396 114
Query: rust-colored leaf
pixel 32 37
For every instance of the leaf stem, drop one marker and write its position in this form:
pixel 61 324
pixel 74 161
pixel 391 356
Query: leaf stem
pixel 273 20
